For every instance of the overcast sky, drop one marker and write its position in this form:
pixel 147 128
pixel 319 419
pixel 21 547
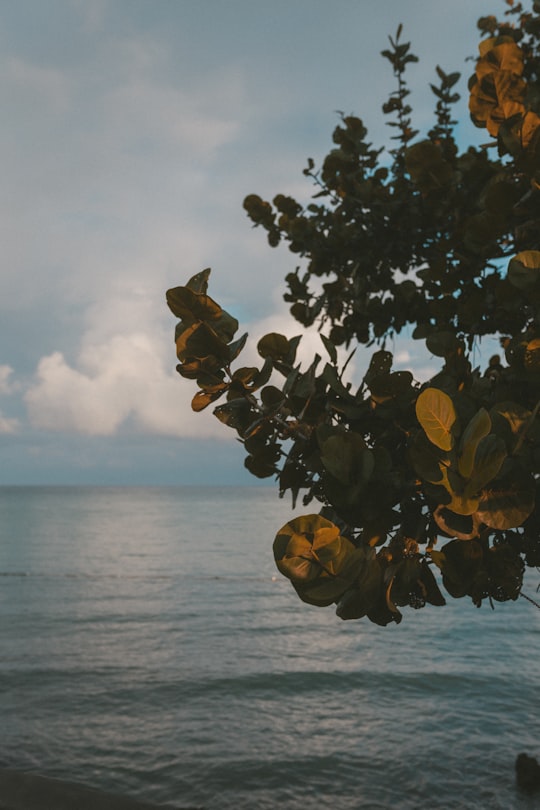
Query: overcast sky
pixel 131 132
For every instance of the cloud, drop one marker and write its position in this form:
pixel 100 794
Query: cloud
pixel 131 133
pixel 121 382
pixel 8 425
pixel 7 384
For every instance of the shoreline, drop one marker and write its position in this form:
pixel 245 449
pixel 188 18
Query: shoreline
pixel 20 790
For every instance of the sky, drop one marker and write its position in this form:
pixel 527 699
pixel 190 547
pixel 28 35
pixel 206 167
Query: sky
pixel 131 132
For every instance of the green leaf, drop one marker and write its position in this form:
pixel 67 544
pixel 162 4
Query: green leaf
pixel 190 306
pixel 330 348
pixel 524 270
pixel 331 377
pixel 262 463
pixel 381 363
pixel 463 527
pixel 271 397
pixel 199 282
pixel 515 415
pixel 198 342
pixel 460 563
pixel 442 344
pixel 202 399
pixel 436 413
pixel 320 563
pixel 390 385
pixel 225 326
pixel 347 458
pixel 433 593
pixel 488 460
pixel 363 596
pixel 236 347
pixel 274 346
pixel 531 359
pixel 509 503
pixel 236 414
pixel 478 427
pixel 424 459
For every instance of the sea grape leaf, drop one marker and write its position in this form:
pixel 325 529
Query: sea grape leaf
pixel 510 419
pixel 424 459
pixel 245 376
pixel 459 564
pixel 190 306
pixel 330 348
pixel 199 282
pixel 509 503
pixel 273 345
pixel 320 562
pixel 202 399
pixel 346 456
pixel 432 590
pixel 478 427
pixel 514 413
pixel 374 532
pixel 381 363
pixel 463 504
pixel 463 527
pixel 365 592
pixel 460 501
pixel 524 270
pixel 331 377
pixel 442 344
pixel 531 357
pixel 236 347
pixel 488 460
pixel 271 397
pixel 436 413
pixel 506 572
pixel 412 583
pixel 200 341
pixel 390 384
pixel 225 326
pixel 236 413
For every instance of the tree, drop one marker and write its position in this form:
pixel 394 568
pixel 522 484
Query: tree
pixel 407 475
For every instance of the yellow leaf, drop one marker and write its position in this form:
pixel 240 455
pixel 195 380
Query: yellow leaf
pixel 436 413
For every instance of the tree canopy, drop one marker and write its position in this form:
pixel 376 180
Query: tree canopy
pixel 402 476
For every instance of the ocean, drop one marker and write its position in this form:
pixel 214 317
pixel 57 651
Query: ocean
pixel 149 647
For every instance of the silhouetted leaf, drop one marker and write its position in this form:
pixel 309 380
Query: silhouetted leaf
pixel 488 460
pixel 524 270
pixel 463 527
pixel 330 348
pixel 442 343
pixel 478 427
pixel 202 399
pixel 274 346
pixel 199 282
pixel 346 456
pixel 508 503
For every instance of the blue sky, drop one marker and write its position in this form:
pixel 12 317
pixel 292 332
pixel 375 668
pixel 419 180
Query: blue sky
pixel 131 132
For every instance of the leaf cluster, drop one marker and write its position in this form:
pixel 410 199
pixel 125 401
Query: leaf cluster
pixel 443 240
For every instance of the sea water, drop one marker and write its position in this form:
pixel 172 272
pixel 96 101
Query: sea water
pixel 148 646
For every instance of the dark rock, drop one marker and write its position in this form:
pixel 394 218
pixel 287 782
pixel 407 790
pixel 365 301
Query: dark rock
pixel 527 772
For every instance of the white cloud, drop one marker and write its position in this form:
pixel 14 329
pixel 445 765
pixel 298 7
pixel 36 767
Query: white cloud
pixel 8 425
pixel 7 384
pixel 34 88
pixel 131 134
pixel 123 380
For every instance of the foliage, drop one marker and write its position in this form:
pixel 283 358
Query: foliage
pixel 446 241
